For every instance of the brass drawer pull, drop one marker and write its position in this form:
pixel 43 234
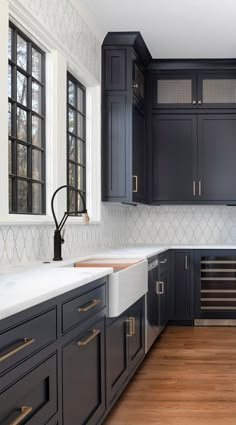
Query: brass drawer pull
pixel 135 190
pixel 85 341
pixel 133 325
pixel 130 326
pixel 25 410
pixel 26 342
pixel 87 307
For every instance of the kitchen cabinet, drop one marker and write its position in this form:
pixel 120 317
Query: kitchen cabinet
pixel 33 398
pixel 84 376
pixel 52 360
pixel 163 289
pixel 174 153
pixel 182 292
pixel 217 89
pixel 139 154
pixel 214 284
pixel 195 89
pixel 216 153
pixel 177 90
pixel 125 347
pixel 124 57
pixel 193 158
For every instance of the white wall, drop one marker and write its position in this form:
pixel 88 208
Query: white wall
pixel 75 43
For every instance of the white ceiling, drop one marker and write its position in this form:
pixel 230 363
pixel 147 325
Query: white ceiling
pixel 173 28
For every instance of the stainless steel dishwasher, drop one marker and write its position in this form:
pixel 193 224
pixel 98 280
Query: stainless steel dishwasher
pixel 153 300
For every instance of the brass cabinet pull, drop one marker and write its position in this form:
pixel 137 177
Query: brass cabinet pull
pixel 130 326
pixel 160 288
pixel 133 325
pixel 25 343
pixel 24 411
pixel 87 307
pixel 194 188
pixel 186 262
pixel 136 184
pixel 200 188
pixel 85 341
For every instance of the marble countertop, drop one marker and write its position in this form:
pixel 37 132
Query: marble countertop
pixel 23 290
pixel 23 286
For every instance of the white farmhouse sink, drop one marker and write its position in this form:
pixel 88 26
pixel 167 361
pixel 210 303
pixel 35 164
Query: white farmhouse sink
pixel 127 283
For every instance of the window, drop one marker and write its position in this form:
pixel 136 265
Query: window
pixel 26 124
pixel 76 142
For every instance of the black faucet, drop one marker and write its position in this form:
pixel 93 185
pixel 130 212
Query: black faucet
pixel 58 239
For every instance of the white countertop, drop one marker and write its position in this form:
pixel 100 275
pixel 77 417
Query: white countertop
pixel 23 290
pixel 24 286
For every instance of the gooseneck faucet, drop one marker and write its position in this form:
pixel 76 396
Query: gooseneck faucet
pixel 58 238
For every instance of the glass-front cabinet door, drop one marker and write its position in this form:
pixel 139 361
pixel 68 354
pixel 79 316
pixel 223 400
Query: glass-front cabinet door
pixel 217 90
pixel 174 90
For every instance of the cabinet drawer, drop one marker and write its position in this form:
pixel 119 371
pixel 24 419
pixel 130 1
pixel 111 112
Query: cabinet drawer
pixel 163 262
pixel 23 340
pixel 81 308
pixel 33 399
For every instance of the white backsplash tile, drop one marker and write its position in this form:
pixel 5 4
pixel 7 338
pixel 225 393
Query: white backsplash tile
pixel 24 244
pixel 182 224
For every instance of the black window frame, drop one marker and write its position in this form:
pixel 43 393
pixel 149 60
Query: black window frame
pixel 28 108
pixel 78 139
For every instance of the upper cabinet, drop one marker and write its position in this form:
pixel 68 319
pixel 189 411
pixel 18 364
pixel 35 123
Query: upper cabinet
pixel 174 90
pixel 217 89
pixel 125 57
pixel 194 89
pixel 168 126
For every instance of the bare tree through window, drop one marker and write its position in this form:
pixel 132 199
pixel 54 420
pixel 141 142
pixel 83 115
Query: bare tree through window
pixel 76 142
pixel 26 124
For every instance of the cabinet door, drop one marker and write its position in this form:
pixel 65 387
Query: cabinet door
pixel 138 154
pixel 114 65
pixel 32 399
pixel 84 377
pixel 182 291
pixel 115 153
pixel 217 90
pixel 136 341
pixel 216 156
pixel 117 354
pixel 174 90
pixel 174 165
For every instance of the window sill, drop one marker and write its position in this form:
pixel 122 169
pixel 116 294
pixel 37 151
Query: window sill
pixel 25 220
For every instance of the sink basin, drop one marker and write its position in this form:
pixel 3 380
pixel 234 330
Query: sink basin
pixel 127 283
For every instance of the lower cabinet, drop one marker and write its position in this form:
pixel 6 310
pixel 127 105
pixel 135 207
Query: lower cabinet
pixel 33 398
pixel 163 289
pixel 182 293
pixel 125 347
pixel 84 377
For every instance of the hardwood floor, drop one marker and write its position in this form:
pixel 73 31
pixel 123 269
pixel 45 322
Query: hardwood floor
pixel 188 378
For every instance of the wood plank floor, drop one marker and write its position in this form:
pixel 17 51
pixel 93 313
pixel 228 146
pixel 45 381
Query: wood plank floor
pixel 188 378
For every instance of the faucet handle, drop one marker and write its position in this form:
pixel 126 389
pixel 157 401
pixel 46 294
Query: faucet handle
pixel 63 236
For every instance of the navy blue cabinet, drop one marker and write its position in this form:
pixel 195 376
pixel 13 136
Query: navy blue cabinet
pixel 84 376
pixel 124 57
pixel 163 288
pixel 125 348
pixel 182 291
pixel 174 158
